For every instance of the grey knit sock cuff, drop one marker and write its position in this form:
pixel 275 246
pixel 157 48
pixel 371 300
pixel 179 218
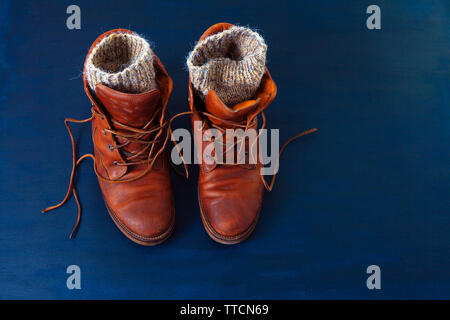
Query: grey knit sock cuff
pixel 123 62
pixel 231 62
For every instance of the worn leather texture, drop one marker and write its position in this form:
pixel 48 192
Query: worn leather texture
pixel 230 196
pixel 140 202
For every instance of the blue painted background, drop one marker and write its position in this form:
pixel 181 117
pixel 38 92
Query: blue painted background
pixel 371 187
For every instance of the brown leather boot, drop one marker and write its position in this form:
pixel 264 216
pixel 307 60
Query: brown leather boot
pixel 129 131
pixel 228 65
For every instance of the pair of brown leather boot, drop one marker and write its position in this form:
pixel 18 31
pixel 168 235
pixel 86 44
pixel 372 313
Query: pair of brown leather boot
pixel 131 132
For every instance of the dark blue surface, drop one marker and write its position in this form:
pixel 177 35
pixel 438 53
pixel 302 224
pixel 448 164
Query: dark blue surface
pixel 371 187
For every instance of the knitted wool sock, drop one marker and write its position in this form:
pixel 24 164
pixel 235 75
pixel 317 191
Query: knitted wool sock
pixel 231 62
pixel 123 62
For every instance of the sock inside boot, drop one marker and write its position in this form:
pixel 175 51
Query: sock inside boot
pixel 122 61
pixel 115 54
pixel 231 62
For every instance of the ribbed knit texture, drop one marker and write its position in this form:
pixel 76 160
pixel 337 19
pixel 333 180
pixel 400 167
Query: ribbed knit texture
pixel 123 62
pixel 231 62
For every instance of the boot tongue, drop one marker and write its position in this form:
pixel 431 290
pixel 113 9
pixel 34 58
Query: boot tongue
pixel 235 114
pixel 134 110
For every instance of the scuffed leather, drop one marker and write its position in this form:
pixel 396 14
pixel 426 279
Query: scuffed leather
pixel 143 209
pixel 230 196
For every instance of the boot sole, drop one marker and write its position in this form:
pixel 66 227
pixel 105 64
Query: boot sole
pixel 145 241
pixel 213 234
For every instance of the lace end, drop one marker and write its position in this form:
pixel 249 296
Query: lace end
pixel 50 208
pixel 310 131
pixel 72 234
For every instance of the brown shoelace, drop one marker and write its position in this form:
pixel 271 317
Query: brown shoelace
pixel 138 135
pixel 251 121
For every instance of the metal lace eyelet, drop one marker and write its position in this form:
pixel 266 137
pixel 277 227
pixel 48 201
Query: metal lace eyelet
pixel 116 163
pixel 104 133
pixel 110 147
